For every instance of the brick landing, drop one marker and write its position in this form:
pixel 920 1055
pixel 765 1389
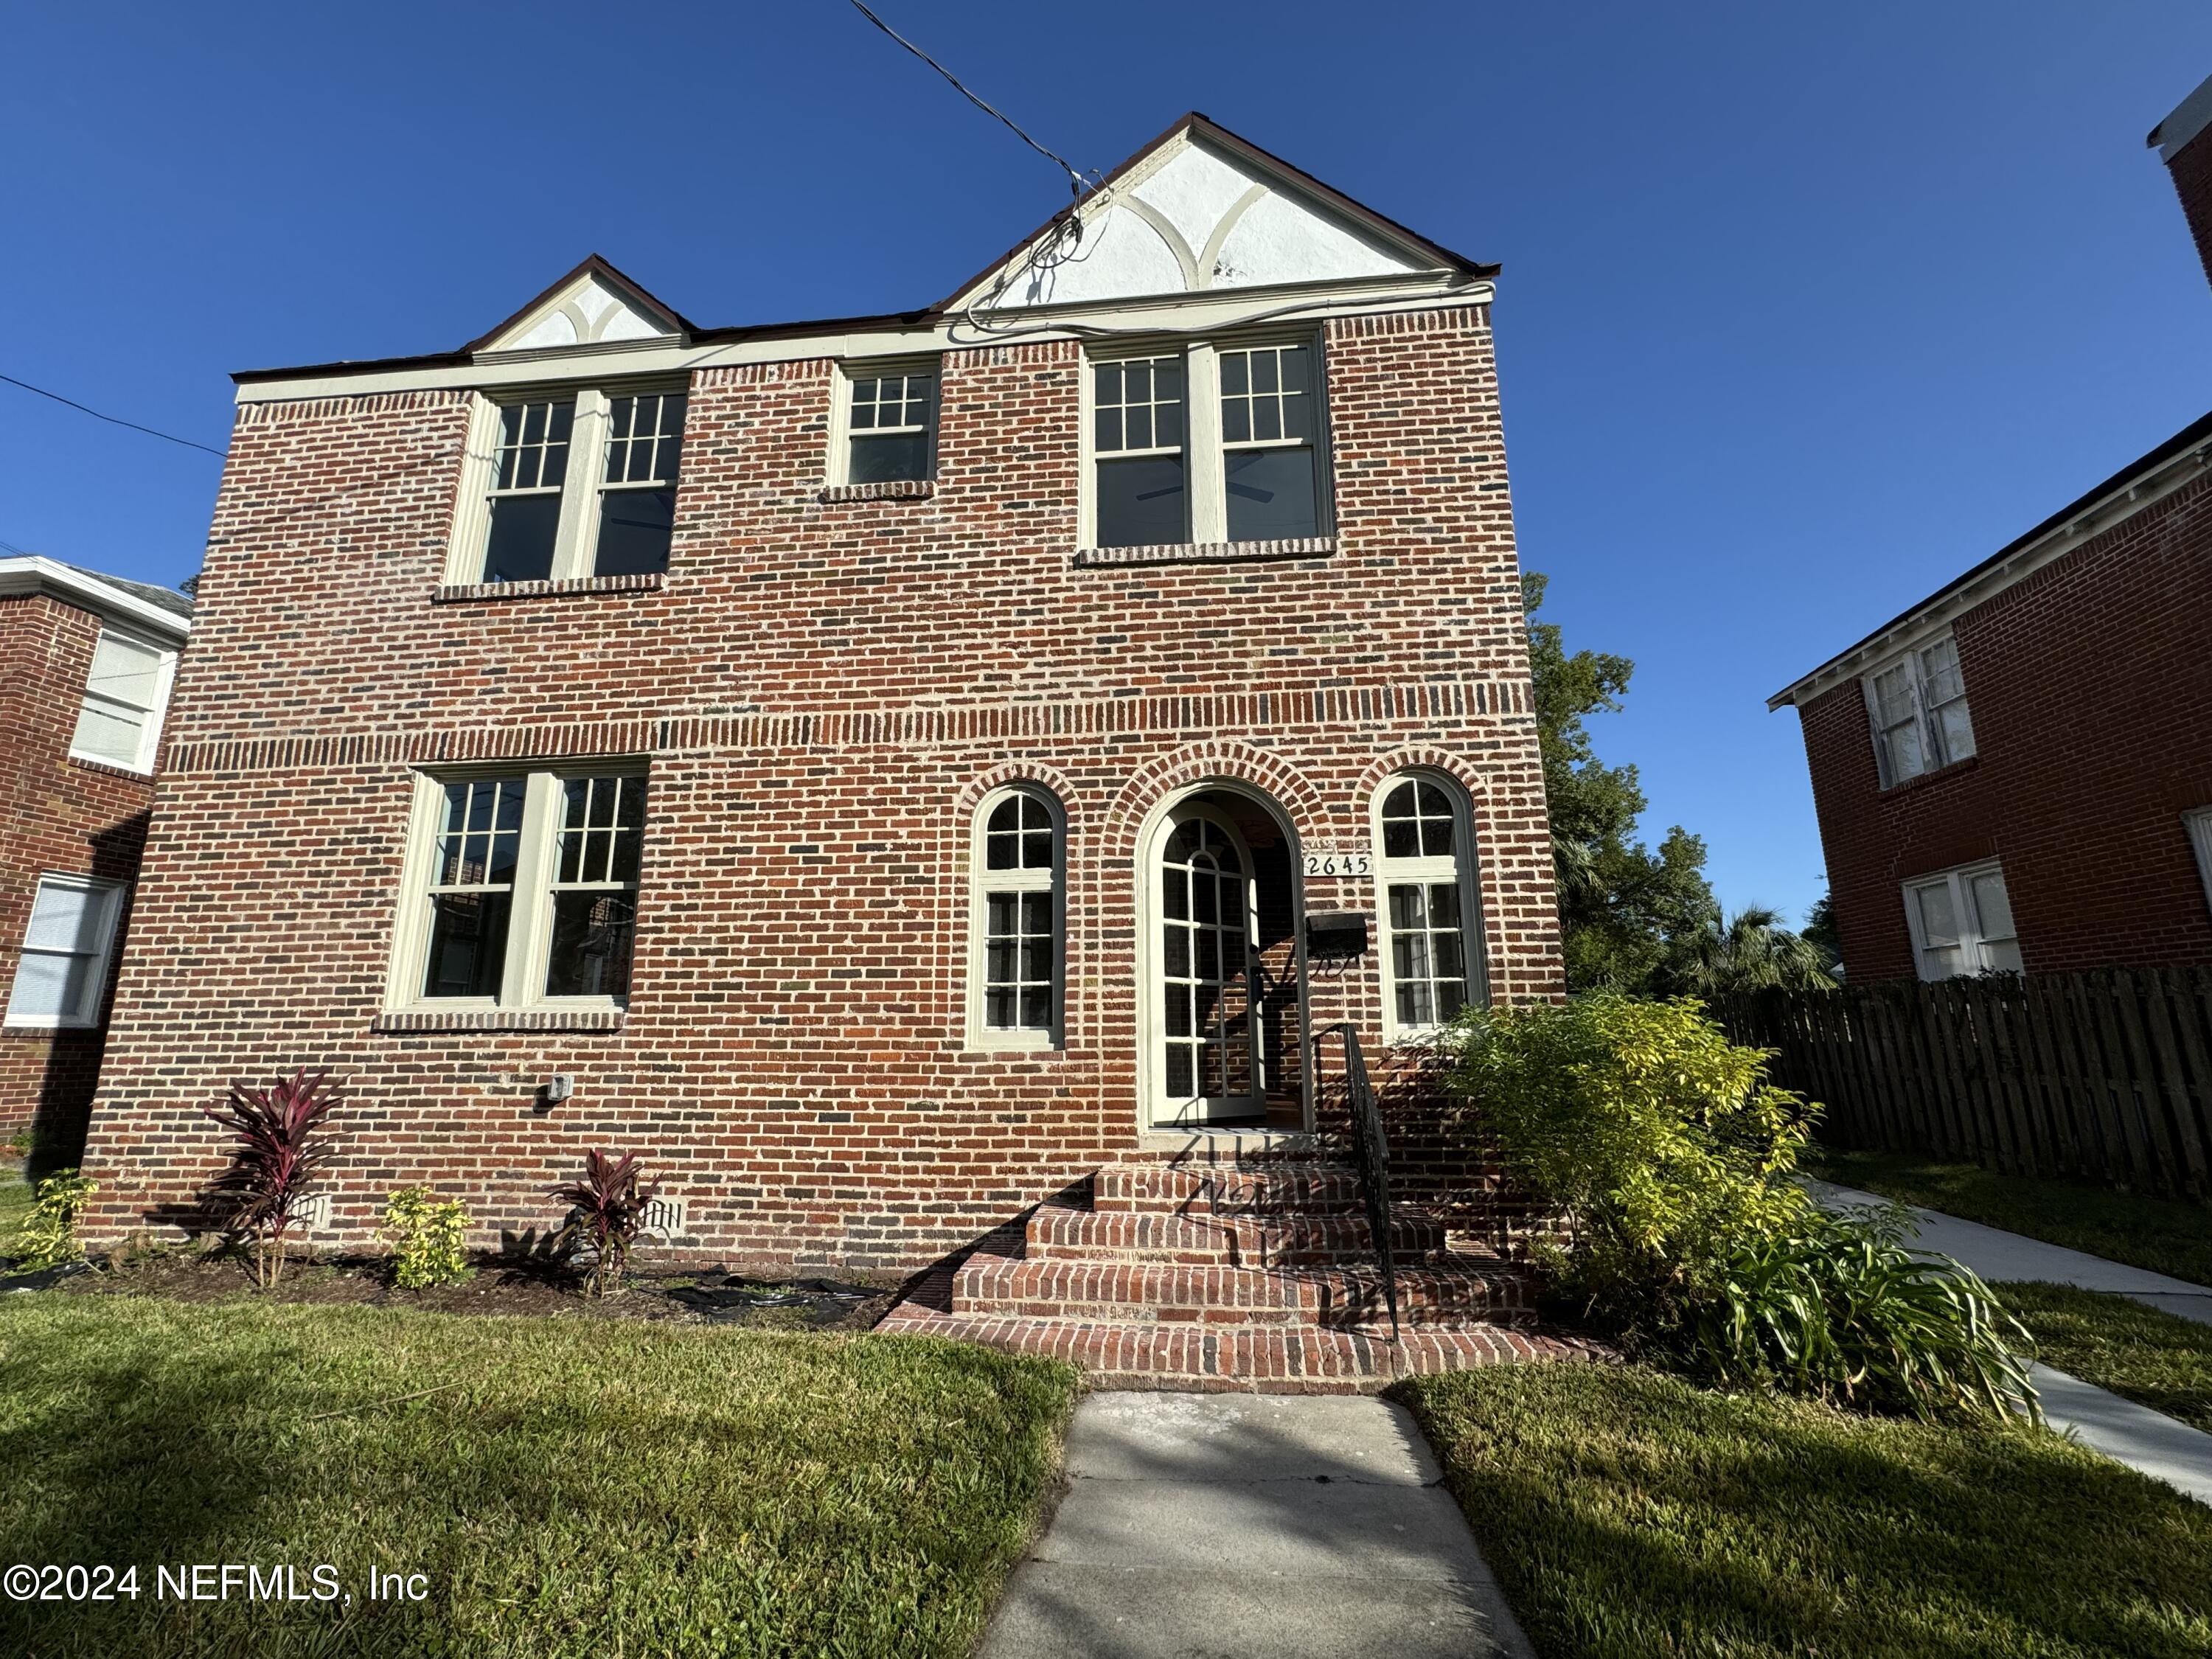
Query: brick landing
pixel 1255 1278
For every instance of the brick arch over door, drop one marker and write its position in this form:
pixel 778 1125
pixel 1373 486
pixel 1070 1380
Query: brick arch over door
pixel 1279 785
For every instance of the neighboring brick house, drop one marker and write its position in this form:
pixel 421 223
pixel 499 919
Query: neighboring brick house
pixel 85 665
pixel 881 768
pixel 2016 774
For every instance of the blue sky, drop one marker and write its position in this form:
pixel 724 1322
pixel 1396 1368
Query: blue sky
pixel 1804 310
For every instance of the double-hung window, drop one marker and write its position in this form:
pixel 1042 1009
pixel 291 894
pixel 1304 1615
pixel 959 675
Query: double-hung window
pixel 1917 703
pixel 1430 972
pixel 1961 923
pixel 1017 926
pixel 61 973
pixel 119 722
pixel 571 484
pixel 890 424
pixel 1211 443
pixel 521 890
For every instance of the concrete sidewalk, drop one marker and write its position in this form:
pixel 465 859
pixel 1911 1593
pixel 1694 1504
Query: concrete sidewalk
pixel 1996 1255
pixel 2143 1439
pixel 1214 1526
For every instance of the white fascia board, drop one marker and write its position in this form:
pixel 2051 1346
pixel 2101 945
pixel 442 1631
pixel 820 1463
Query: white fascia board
pixel 1926 620
pixel 37 574
pixel 1208 311
pixel 2191 117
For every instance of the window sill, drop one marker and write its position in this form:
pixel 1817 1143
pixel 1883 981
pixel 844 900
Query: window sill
pixel 1290 547
pixel 464 593
pixel 110 768
pixel 890 489
pixel 500 1019
pixel 1922 780
pixel 32 1028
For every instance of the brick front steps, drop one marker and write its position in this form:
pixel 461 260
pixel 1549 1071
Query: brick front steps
pixel 1229 1276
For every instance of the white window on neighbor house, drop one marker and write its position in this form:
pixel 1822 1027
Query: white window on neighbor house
pixel 1017 924
pixel 1961 923
pixel 125 696
pixel 570 484
pixel 1917 703
pixel 2198 824
pixel 521 890
pixel 1423 872
pixel 886 427
pixel 1214 442
pixel 61 971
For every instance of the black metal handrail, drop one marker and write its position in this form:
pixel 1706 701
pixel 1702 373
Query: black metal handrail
pixel 1371 1158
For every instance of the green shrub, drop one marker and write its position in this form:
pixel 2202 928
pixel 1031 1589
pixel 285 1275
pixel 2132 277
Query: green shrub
pixel 1840 1307
pixel 48 1235
pixel 1669 1162
pixel 425 1232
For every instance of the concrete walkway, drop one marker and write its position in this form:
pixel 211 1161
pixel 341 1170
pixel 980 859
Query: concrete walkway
pixel 1297 1526
pixel 1996 1255
pixel 2135 1435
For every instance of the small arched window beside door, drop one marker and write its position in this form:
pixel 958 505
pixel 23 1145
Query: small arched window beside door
pixel 1016 968
pixel 1431 933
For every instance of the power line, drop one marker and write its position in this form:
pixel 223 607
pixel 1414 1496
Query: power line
pixel 111 420
pixel 1078 181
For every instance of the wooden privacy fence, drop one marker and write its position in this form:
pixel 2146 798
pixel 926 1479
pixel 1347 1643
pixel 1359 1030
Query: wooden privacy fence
pixel 2105 1076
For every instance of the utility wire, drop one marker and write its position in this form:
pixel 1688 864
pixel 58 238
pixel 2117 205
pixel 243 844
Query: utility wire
pixel 1078 181
pixel 150 432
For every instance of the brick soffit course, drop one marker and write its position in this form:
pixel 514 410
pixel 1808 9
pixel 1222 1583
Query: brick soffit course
pixel 861 728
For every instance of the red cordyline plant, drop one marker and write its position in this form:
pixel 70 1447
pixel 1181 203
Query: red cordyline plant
pixel 607 1214
pixel 282 1143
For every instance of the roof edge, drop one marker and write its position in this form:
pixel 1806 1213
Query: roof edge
pixel 36 573
pixel 2189 117
pixel 2196 434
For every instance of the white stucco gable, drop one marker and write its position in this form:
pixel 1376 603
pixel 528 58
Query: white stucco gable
pixel 1199 211
pixel 594 304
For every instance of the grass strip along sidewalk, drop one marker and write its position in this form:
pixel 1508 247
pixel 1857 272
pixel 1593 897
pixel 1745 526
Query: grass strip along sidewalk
pixel 1629 1514
pixel 2155 1359
pixel 565 1486
pixel 2161 1235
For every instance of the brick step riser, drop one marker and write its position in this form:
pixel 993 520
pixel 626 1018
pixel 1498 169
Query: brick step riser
pixel 1371 1318
pixel 1065 1235
pixel 1138 1293
pixel 1178 1194
pixel 1408 1254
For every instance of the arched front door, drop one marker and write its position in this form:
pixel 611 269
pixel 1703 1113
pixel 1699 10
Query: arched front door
pixel 1205 997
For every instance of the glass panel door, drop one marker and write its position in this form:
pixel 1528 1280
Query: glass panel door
pixel 1207 996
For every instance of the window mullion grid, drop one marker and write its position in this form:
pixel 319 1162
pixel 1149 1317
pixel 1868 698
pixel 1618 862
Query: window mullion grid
pixel 577 541
pixel 1209 491
pixel 530 917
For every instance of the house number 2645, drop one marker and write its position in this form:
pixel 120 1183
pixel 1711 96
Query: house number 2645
pixel 1339 864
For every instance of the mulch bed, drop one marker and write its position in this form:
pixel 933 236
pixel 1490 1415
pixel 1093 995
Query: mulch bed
pixel 749 1294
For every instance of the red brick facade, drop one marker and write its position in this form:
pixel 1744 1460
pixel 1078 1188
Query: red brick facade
pixel 2191 167
pixel 823 690
pixel 65 816
pixel 2091 697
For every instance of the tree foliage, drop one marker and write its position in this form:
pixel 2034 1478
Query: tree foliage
pixel 1633 918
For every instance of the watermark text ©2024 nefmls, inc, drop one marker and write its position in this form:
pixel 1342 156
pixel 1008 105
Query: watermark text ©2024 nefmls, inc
pixel 210 1581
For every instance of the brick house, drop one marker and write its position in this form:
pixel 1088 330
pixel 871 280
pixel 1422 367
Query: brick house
pixel 2016 773
pixel 882 770
pixel 86 661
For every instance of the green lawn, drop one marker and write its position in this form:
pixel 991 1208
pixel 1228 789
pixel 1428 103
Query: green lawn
pixel 574 1487
pixel 2160 1234
pixel 15 1199
pixel 1628 1514
pixel 2153 1358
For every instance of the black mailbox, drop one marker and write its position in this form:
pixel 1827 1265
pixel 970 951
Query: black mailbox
pixel 1336 935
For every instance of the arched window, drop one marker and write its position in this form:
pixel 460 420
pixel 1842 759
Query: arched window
pixel 1016 922
pixel 1432 940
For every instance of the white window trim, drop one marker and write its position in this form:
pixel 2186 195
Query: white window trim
pixel 838 472
pixel 149 739
pixel 1206 489
pixel 530 920
pixel 1460 867
pixel 88 1018
pixel 2198 824
pixel 981 883
pixel 576 544
pixel 1932 742
pixel 1972 942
